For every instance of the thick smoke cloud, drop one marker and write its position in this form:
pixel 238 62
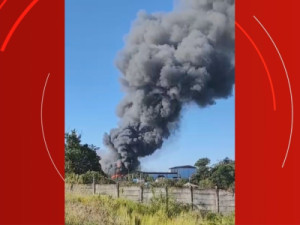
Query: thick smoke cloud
pixel 171 59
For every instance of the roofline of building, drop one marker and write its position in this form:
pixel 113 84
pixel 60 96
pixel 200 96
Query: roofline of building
pixel 159 173
pixel 186 166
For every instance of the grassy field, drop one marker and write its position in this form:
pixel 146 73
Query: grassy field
pixel 103 210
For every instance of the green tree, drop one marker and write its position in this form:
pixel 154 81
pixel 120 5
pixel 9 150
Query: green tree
pixel 80 158
pixel 203 170
pixel 223 174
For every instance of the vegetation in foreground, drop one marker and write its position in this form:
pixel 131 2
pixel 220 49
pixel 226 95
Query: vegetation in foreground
pixel 104 210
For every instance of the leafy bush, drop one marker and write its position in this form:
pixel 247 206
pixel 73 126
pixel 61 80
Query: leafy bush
pixel 221 174
pixel 181 182
pixel 206 184
pixel 160 203
pixel 87 178
pixel 73 178
pixel 163 183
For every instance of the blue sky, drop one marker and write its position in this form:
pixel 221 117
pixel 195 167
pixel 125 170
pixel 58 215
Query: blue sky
pixel 95 32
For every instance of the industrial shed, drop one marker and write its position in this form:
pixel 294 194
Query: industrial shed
pixel 183 171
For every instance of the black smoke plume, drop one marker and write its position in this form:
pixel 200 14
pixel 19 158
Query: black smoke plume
pixel 170 59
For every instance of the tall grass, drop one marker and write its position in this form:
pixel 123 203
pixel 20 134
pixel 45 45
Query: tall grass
pixel 104 210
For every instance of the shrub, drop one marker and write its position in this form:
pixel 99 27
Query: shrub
pixel 206 183
pixel 87 178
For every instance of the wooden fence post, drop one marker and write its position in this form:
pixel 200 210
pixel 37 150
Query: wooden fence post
pixel 118 190
pixel 94 184
pixel 141 193
pixel 217 200
pixel 192 197
pixel 167 199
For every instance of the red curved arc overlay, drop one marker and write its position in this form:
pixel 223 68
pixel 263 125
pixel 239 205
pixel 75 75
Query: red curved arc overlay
pixel 263 61
pixel 2 4
pixel 17 23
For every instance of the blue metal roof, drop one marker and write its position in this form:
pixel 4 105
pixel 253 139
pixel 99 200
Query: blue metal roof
pixel 184 167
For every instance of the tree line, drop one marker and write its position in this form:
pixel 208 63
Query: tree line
pixel 82 163
pixel 80 158
pixel 221 174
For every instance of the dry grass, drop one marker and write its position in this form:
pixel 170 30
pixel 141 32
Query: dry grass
pixel 103 210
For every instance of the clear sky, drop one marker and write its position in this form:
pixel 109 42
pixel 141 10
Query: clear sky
pixel 95 33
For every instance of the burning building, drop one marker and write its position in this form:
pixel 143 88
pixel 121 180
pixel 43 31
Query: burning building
pixel 118 169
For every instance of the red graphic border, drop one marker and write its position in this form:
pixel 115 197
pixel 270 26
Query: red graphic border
pixel 33 193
